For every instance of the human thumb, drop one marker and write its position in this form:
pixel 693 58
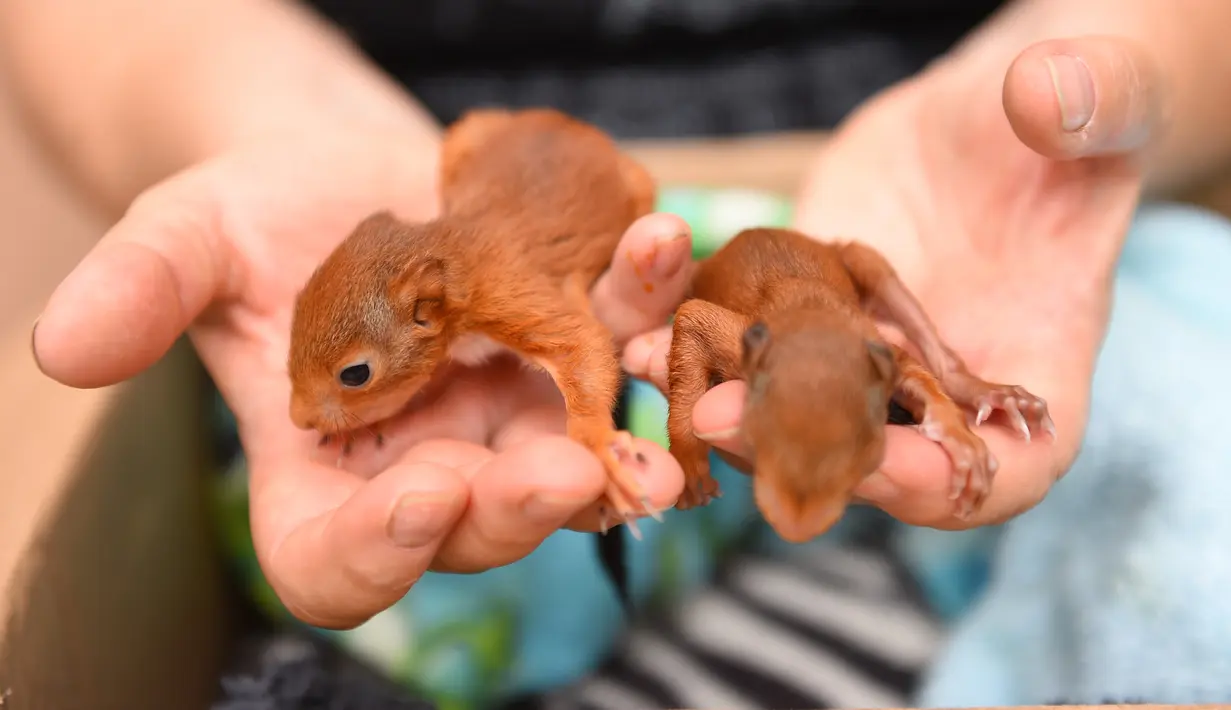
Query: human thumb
pixel 123 307
pixel 1084 96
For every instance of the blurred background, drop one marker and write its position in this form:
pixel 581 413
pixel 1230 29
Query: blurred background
pixel 739 89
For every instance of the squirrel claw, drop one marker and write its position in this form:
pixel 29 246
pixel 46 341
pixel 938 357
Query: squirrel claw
pixel 625 449
pixel 698 492
pixel 974 466
pixel 347 441
pixel 1026 413
pixel 626 500
pixel 1049 426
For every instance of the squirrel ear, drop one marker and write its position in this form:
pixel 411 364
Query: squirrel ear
pixel 754 338
pixel 753 343
pixel 379 220
pixel 420 291
pixel 883 360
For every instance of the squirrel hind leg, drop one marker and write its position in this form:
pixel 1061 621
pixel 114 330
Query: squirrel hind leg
pixel 642 188
pixel 475 126
pixel 466 136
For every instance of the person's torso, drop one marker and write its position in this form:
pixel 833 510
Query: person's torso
pixel 657 68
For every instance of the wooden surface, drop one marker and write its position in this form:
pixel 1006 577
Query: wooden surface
pixel 116 601
pixel 110 590
pixel 775 162
pixel 780 163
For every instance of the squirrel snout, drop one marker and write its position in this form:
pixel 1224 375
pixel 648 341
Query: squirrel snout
pixel 795 516
pixel 302 415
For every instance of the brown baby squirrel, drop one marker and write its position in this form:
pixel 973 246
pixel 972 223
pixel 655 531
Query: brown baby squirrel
pixel 795 319
pixel 534 204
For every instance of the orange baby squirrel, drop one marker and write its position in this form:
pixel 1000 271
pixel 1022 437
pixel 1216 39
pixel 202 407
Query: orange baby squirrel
pixel 794 318
pixel 533 205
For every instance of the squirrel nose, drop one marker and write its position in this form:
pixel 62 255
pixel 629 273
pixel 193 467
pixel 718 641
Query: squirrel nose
pixel 301 414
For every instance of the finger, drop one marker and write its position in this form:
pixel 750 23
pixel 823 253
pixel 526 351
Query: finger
pixel 645 357
pixel 1084 96
pixel 519 498
pixel 647 278
pixel 338 550
pixel 913 482
pixel 716 418
pixel 463 457
pixel 661 477
pixel 133 295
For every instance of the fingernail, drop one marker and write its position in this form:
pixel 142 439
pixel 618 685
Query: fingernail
pixel 668 261
pixel 656 367
pixel 721 435
pixel 1074 87
pixel 34 346
pixel 418 518
pixel 643 346
pixel 546 508
pixel 877 488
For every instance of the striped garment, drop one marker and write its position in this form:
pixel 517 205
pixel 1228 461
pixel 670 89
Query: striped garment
pixel 828 626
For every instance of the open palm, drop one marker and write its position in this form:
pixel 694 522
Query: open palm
pixel 476 478
pixel 1011 253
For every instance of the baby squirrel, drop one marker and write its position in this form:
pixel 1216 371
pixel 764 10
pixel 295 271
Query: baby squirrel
pixel 794 318
pixel 534 204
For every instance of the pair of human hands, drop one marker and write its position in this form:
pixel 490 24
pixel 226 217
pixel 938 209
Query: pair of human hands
pixel 1010 251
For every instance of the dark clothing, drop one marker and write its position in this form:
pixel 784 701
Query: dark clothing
pixel 657 68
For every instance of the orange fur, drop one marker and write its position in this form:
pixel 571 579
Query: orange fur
pixel 794 318
pixel 534 205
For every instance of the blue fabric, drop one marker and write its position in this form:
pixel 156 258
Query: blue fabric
pixel 564 592
pixel 1119 584
pixel 951 567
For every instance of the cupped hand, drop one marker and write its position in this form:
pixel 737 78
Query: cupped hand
pixel 1002 199
pixel 476 480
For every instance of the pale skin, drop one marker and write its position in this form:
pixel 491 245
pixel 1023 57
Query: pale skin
pixel 208 248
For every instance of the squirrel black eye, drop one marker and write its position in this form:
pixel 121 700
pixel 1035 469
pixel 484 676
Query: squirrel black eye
pixel 355 375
